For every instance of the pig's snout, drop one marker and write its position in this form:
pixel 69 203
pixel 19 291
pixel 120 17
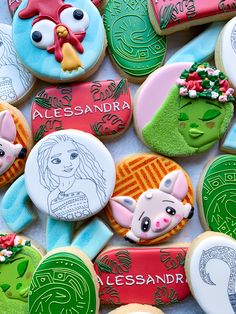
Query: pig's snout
pixel 161 223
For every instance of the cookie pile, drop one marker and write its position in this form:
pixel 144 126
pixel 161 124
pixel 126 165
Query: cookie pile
pixel 61 167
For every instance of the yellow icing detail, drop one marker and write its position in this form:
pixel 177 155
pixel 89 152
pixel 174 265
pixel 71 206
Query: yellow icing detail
pixel 70 60
pixel 62 31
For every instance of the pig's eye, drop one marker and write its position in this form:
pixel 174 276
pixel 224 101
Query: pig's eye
pixel 145 224
pixel 170 210
pixel 2 153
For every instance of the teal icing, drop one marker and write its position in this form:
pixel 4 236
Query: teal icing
pixel 229 142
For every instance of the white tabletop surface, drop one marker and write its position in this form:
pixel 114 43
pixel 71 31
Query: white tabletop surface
pixel 125 145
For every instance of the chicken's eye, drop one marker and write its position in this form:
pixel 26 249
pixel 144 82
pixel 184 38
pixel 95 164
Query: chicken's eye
pixel 76 19
pixel 42 34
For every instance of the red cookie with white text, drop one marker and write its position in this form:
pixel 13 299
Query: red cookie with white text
pixel 102 108
pixel 125 278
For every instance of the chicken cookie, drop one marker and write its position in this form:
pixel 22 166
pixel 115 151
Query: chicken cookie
pixel 60 40
pixel 188 113
pixel 142 182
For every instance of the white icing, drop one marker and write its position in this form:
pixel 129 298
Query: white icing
pixel 67 18
pixel 15 80
pixel 46 28
pixel 74 175
pixel 213 298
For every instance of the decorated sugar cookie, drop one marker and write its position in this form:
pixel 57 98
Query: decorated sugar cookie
pixel 135 309
pixel 152 199
pixel 64 281
pixel 169 16
pixel 15 143
pixel 216 195
pixel 191 117
pixel 102 108
pixel 228 144
pixel 210 269
pixel 66 38
pixel 74 175
pixel 16 82
pixel 18 261
pixel 134 47
pixel 152 276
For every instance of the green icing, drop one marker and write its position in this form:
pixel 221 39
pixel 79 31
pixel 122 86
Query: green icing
pixel 15 279
pixel 183 126
pixel 219 195
pixel 132 42
pixel 62 284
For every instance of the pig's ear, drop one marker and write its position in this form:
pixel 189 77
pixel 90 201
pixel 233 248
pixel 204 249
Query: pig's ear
pixel 123 208
pixel 175 183
pixel 7 126
pixel 188 211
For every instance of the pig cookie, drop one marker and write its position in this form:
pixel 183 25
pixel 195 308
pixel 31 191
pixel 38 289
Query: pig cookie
pixel 102 108
pixel 16 82
pixel 135 309
pixel 191 117
pixel 141 180
pixel 64 282
pixel 216 195
pixel 135 49
pixel 19 258
pixel 210 268
pixel 67 41
pixel 16 142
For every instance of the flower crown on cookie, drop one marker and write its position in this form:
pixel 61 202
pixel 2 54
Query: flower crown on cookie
pixel 205 81
pixel 10 245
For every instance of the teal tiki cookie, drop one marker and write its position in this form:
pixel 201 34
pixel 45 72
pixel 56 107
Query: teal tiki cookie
pixel 193 114
pixel 64 282
pixel 134 47
pixel 216 195
pixel 18 261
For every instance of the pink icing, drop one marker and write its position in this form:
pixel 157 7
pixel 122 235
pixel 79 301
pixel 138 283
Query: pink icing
pixel 153 92
pixel 7 126
pixel 121 213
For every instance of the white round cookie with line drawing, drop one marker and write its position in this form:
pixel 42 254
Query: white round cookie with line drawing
pixel 70 175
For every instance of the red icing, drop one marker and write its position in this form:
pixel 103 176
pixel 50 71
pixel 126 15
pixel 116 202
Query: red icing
pixel 13 5
pixel 90 107
pixel 7 240
pixel 162 270
pixel 170 13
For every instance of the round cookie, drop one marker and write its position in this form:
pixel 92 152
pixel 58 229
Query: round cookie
pixel 18 261
pixel 135 309
pixel 142 182
pixel 74 175
pixel 135 49
pixel 216 195
pixel 64 281
pixel 210 268
pixel 225 52
pixel 228 143
pixel 185 117
pixel 102 108
pixel 16 142
pixel 125 278
pixel 67 41
pixel 16 82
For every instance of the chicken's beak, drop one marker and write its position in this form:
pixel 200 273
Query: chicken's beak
pixel 61 31
pixel 70 60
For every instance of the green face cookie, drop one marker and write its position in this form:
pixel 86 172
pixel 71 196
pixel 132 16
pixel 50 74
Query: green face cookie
pixel 63 284
pixel 200 121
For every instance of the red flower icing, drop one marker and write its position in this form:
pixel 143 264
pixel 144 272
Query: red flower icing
pixel 224 86
pixel 194 85
pixel 7 240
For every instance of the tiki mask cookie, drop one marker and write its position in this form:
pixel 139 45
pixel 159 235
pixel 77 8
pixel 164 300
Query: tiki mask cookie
pixel 136 309
pixel 64 282
pixel 169 16
pixel 194 114
pixel 74 175
pixel 15 143
pixel 134 47
pixel 216 195
pixel 16 82
pixel 62 40
pixel 125 278
pixel 152 199
pixel 102 108
pixel 210 268
pixel 18 261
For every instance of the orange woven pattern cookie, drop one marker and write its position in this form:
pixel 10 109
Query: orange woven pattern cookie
pixel 16 142
pixel 152 200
